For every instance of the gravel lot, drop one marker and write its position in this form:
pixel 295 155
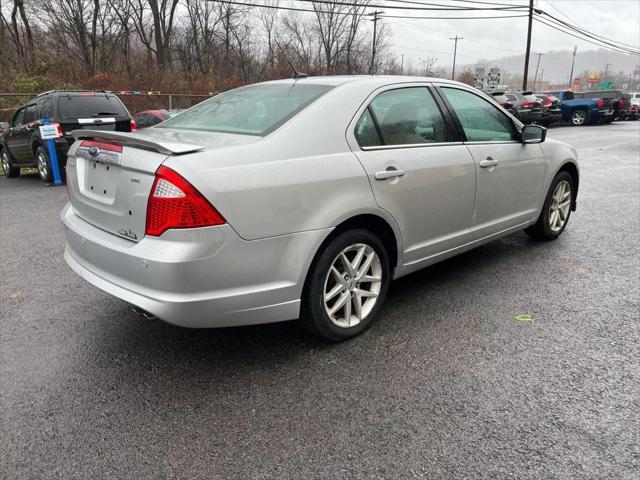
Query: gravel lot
pixel 446 385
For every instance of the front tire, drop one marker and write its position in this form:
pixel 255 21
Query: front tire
pixel 579 117
pixel 346 285
pixel 9 170
pixel 556 209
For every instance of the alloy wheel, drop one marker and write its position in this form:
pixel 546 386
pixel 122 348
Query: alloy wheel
pixel 5 162
pixel 578 117
pixel 560 206
pixel 43 166
pixel 352 285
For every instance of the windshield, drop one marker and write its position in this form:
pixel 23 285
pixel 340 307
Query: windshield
pixel 253 110
pixel 90 105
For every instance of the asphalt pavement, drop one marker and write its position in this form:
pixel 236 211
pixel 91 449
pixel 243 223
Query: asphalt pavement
pixel 447 384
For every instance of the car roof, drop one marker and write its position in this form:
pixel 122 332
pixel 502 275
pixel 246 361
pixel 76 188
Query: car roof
pixel 71 92
pixel 371 80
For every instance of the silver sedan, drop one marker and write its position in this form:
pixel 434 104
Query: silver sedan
pixel 303 198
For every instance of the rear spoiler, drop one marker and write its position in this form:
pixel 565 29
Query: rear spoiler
pixel 136 140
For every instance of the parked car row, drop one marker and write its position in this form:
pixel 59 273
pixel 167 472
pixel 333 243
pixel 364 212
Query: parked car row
pixel 566 106
pixel 21 145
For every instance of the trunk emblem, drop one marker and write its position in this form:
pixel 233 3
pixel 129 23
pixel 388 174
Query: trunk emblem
pixel 127 233
pixel 94 151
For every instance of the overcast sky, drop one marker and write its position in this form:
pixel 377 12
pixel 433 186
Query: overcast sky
pixel 488 39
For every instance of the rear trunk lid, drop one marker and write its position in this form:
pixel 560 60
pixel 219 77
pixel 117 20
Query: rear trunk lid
pixel 110 174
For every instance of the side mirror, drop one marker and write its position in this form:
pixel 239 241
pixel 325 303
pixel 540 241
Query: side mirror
pixel 533 134
pixel 4 125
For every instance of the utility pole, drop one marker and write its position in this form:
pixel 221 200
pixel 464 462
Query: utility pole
pixel 606 70
pixel 526 55
pixel 537 66
pixel 455 51
pixel 575 51
pixel 375 33
pixel 402 64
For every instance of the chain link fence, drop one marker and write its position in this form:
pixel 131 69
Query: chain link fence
pixel 134 101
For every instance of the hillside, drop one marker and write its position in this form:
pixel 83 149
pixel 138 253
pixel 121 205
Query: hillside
pixel 557 64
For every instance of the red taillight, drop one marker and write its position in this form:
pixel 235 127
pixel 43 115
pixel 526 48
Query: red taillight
pixel 175 203
pixel 111 147
pixel 621 103
pixel 134 126
pixel 59 129
pixel 600 103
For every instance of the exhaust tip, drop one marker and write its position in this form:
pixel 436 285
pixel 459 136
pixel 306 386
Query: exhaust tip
pixel 143 313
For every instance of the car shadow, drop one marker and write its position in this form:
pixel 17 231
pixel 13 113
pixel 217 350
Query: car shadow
pixel 268 343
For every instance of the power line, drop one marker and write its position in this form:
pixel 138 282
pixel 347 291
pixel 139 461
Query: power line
pixel 582 31
pixel 546 22
pixel 493 17
pixel 433 7
pixel 307 10
pixel 576 24
pixel 446 34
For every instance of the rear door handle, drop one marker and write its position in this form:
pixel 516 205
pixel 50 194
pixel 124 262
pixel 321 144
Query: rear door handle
pixel 489 162
pixel 390 172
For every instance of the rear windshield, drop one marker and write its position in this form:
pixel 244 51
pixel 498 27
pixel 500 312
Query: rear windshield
pixel 253 110
pixel 87 106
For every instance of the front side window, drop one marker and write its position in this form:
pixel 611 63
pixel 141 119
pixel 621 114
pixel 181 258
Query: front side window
pixel 408 116
pixel 253 110
pixel 17 118
pixel 480 120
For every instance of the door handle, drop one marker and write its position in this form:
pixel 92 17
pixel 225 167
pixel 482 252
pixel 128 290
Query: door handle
pixel 489 162
pixel 390 172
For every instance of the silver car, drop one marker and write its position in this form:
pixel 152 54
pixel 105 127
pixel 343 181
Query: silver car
pixel 304 198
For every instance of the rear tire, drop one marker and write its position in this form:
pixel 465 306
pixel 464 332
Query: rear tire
pixel 43 164
pixel 9 170
pixel 346 285
pixel 556 209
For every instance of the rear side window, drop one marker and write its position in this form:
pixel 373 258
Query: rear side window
pixel 88 106
pixel 481 121
pixel 30 114
pixel 253 110
pixel 409 116
pixel 366 132
pixel 46 107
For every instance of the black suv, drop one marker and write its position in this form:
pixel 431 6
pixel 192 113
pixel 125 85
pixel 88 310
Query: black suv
pixel 20 142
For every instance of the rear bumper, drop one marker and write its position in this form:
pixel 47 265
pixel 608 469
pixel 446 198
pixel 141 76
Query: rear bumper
pixel 197 278
pixel 527 116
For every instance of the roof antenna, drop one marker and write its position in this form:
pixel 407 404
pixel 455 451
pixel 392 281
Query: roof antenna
pixel 296 74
